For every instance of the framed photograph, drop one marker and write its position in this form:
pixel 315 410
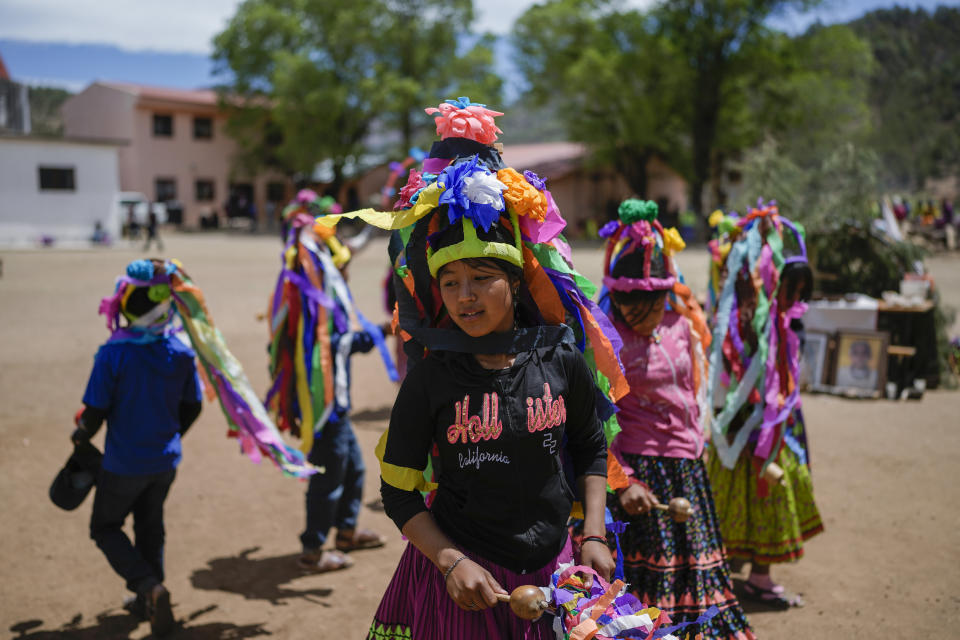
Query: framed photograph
pixel 814 360
pixel 861 361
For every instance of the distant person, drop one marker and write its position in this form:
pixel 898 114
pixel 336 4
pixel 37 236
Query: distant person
pixel 99 235
pixel 132 227
pixel 153 233
pixel 144 384
pixel 858 373
pixel 310 390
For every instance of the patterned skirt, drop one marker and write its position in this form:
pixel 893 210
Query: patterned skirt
pixel 768 529
pixel 680 567
pixel 416 605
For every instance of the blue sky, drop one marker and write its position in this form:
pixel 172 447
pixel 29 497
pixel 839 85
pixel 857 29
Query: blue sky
pixel 66 44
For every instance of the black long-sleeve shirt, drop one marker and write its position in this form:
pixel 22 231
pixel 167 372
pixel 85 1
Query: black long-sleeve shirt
pixel 499 438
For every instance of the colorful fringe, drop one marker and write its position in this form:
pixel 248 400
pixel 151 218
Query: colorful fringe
pixel 767 378
pixel 246 416
pixel 310 303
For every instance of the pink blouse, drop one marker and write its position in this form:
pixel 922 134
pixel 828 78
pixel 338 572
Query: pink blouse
pixel 660 416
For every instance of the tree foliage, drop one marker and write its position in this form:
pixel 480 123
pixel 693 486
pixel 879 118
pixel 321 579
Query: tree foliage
pixel 693 82
pixel 308 78
pixel 45 103
pixel 914 92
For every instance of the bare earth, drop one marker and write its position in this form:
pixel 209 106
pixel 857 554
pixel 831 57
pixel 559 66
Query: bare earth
pixel 886 477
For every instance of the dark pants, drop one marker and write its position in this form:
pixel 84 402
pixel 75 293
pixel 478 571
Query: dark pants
pixel 333 498
pixel 117 496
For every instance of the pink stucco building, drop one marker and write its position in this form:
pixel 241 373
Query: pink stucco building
pixel 176 148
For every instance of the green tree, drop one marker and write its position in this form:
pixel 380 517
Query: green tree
pixel 717 40
pixel 914 94
pixel 45 103
pixel 308 78
pixel 612 81
pixel 695 83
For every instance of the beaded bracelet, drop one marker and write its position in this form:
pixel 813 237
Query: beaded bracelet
pixel 594 538
pixel 447 573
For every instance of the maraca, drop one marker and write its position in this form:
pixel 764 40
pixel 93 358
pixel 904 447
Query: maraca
pixel 526 601
pixel 679 509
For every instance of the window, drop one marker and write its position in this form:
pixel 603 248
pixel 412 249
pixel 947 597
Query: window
pixel 166 189
pixel 202 128
pixel 204 190
pixel 57 179
pixel 276 192
pixel 162 126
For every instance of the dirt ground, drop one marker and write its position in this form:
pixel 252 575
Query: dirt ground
pixel 886 478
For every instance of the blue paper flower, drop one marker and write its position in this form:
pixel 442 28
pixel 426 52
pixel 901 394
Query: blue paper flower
pixel 140 270
pixel 471 191
pixel 463 102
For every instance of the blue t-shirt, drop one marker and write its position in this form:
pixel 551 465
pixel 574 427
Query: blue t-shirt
pixel 141 386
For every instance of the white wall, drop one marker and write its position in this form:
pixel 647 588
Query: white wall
pixel 26 212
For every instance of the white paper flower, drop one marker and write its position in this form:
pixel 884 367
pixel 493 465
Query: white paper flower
pixel 484 188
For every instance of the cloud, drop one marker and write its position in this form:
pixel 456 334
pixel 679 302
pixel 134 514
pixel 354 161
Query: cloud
pixel 498 16
pixel 185 26
pixel 182 26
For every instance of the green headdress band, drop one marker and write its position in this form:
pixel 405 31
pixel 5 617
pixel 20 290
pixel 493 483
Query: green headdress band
pixel 473 247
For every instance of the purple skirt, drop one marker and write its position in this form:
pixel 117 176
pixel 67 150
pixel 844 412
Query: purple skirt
pixel 416 604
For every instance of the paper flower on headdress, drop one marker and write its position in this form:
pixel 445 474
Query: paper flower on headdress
pixel 461 118
pixel 521 196
pixel 411 190
pixel 672 242
pixel 634 210
pixel 471 191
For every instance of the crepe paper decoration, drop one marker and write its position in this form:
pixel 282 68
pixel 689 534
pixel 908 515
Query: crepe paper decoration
pixel 633 210
pixel 624 238
pixel 764 374
pixel 607 611
pixel 223 375
pixel 672 242
pixel 461 118
pixel 548 229
pixel 536 181
pixel 410 191
pixel 472 247
pixel 310 304
pixel 525 199
pixel 470 191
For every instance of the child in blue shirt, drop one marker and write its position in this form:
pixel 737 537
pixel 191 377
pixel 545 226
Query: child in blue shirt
pixel 144 384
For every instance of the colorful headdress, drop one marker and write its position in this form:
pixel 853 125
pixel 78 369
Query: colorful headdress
pixel 168 285
pixel 467 204
pixel 309 205
pixel 764 375
pixel 638 229
pixel 310 302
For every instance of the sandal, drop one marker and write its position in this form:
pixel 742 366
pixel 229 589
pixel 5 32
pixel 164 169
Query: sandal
pixel 323 561
pixel 355 539
pixel 777 598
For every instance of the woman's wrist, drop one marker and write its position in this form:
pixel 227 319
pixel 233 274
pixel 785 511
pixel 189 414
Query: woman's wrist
pixel 453 565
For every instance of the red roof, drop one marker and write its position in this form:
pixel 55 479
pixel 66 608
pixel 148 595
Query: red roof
pixel 202 97
pixel 524 156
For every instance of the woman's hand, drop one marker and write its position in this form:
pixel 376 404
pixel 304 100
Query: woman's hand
pixel 472 587
pixel 637 499
pixel 596 555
